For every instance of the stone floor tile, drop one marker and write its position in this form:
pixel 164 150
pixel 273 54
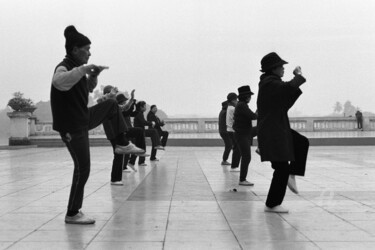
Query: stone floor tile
pixel 340 235
pixel 72 245
pixel 82 235
pixel 269 233
pixel 5 244
pixel 13 235
pixel 130 235
pixel 279 245
pixel 345 245
pixel 125 245
pixel 200 236
pixel 189 245
pixel 184 202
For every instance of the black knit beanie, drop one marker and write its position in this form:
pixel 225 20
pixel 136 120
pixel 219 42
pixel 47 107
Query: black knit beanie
pixel 74 39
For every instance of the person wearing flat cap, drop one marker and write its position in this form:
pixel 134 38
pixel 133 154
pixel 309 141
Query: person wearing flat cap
pixel 243 135
pixel 72 81
pixel 278 143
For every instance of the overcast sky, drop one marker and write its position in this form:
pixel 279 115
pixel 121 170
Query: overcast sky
pixel 186 56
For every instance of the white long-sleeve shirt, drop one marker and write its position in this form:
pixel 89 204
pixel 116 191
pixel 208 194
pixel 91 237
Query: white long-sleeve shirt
pixel 64 80
pixel 230 118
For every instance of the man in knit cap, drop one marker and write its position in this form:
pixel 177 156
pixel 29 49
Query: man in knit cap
pixel 72 81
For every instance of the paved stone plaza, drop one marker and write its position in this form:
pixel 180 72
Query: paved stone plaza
pixel 184 202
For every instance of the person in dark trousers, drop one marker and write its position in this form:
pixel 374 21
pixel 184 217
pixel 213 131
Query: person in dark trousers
pixel 135 134
pixel 243 135
pixel 359 118
pixel 128 114
pixel 224 134
pixel 232 100
pixel 140 122
pixel 278 143
pixel 71 83
pixel 152 117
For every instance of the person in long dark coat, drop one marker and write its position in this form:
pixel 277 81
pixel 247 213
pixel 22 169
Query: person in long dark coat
pixel 278 143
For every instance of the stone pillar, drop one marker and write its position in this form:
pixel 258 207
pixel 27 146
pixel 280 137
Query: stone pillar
pixel 366 123
pixel 32 125
pixel 19 128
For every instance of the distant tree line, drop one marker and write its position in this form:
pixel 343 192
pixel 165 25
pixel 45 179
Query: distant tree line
pixel 346 109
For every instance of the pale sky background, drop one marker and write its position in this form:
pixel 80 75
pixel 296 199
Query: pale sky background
pixel 186 56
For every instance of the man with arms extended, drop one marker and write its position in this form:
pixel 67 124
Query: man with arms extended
pixel 72 81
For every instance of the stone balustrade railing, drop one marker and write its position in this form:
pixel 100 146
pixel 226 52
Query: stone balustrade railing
pixel 210 125
pixel 24 125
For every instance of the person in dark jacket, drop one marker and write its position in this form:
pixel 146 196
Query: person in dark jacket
pixel 359 118
pixel 128 114
pixel 278 143
pixel 152 117
pixel 243 128
pixel 71 83
pixel 224 134
pixel 140 122
pixel 133 134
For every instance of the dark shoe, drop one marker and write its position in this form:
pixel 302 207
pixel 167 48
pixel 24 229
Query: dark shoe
pixel 245 183
pixel 117 183
pixel 156 159
pixel 225 163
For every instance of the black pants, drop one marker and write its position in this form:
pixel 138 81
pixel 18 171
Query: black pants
pixel 359 123
pixel 282 171
pixel 279 182
pixel 138 137
pixel 227 144
pixel 236 155
pixel 79 148
pixel 155 140
pixel 164 138
pixel 243 141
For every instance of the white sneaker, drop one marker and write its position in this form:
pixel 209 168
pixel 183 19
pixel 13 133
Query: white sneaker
pixel 257 151
pixel 276 209
pixel 234 170
pixel 142 165
pixel 129 149
pixel 159 147
pixel 143 155
pixel 126 170
pixel 117 183
pixel 132 167
pixel 79 218
pixel 292 185
pixel 246 183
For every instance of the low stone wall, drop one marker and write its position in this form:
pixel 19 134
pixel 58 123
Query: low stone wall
pixel 24 125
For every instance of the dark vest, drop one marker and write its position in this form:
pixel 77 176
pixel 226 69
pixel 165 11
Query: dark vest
pixel 223 121
pixel 69 108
